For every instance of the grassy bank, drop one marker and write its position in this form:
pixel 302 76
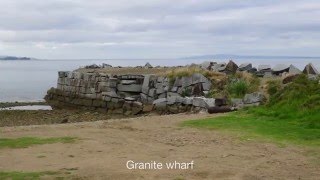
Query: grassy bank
pixel 25 142
pixel 291 116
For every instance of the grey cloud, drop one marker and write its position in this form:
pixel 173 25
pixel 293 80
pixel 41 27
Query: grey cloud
pixel 159 28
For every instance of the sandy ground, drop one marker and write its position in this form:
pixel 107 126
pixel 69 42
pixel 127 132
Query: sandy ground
pixel 105 147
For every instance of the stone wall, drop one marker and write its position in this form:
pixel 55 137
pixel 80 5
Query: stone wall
pixel 132 94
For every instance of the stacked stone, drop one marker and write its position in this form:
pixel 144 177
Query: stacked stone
pixel 253 99
pixel 177 104
pixel 194 85
pixel 98 90
pixel 153 88
pixel 128 94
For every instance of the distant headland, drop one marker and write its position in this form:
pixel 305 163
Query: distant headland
pixel 14 58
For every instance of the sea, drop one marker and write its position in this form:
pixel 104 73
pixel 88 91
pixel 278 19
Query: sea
pixel 29 80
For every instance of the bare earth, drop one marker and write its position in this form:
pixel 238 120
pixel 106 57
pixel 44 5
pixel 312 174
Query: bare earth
pixel 104 148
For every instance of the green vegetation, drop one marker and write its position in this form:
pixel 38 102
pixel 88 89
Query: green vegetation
pixel 242 83
pixel 24 175
pixel 274 86
pixel 237 88
pixel 25 142
pixel 292 115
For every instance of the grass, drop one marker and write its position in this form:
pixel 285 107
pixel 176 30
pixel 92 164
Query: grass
pixel 15 175
pixel 261 127
pixel 291 116
pixel 189 71
pixel 242 83
pixel 238 88
pixel 25 142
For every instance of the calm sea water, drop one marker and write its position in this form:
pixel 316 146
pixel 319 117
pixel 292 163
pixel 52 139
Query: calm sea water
pixel 29 80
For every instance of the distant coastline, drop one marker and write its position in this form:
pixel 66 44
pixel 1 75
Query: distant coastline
pixel 233 56
pixel 8 58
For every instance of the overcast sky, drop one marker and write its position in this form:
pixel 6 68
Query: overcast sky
pixel 158 28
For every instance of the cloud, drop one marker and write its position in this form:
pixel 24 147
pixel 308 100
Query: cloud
pixel 158 28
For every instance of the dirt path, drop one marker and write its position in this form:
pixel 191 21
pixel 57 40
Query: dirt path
pixel 105 147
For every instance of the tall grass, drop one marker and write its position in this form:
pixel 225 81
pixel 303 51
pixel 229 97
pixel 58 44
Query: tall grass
pixel 237 88
pixel 242 83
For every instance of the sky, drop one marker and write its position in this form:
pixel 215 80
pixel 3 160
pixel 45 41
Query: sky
pixel 71 29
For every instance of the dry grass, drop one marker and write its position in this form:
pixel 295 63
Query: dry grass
pixel 188 71
pixel 253 81
pixel 161 71
pixel 128 70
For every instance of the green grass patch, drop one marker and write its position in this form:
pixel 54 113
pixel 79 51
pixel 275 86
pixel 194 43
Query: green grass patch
pixel 25 142
pixel 15 175
pixel 268 128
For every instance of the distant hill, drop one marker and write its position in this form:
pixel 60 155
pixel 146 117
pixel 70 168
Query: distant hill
pixel 14 58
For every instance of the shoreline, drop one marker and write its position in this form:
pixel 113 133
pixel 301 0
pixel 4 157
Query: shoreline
pixel 21 103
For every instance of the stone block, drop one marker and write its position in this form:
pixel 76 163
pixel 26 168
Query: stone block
pixel 210 102
pixel 160 90
pixel 199 102
pixel 143 97
pixel 174 109
pixel 110 94
pixel 237 102
pixel 145 84
pixel 90 96
pixel 206 86
pixel 160 79
pixel 163 95
pixel 128 82
pixel 129 88
pixel 127 106
pixel 160 104
pixel 63 74
pixel 199 78
pixel 112 82
pixel 169 94
pixel 174 89
pixel 187 101
pixel 177 82
pixel 62 80
pixel 186 81
pixel 174 100
pixel 137 107
pixel 252 98
pixel 152 92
